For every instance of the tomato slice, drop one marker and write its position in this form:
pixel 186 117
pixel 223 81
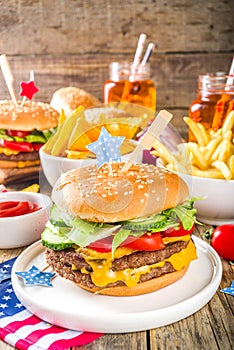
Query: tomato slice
pixel 177 232
pixel 17 146
pixel 102 245
pixel 18 133
pixel 21 146
pixel 147 242
pixel 36 146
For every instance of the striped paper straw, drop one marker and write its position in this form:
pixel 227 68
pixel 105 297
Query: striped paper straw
pixel 137 57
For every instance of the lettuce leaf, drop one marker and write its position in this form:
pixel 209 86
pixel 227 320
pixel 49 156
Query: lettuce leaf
pixel 185 212
pixel 82 232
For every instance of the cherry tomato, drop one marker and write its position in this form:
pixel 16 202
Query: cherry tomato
pixel 10 209
pixel 18 133
pixel 172 232
pixel 17 146
pixel 147 242
pixel 222 241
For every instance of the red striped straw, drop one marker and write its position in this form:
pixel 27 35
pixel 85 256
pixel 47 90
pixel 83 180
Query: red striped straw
pixel 148 53
pixel 137 58
pixel 146 57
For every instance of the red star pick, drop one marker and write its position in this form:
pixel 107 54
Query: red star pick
pixel 28 89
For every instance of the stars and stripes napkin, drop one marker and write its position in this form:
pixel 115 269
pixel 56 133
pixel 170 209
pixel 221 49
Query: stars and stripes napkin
pixel 23 330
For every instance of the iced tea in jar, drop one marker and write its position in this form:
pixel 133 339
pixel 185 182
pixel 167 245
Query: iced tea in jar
pixel 129 85
pixel 214 101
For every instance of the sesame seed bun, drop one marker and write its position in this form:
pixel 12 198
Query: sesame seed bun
pixel 32 115
pixel 69 98
pixel 110 195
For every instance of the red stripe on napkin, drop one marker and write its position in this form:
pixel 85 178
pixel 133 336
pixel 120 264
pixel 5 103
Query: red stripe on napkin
pixel 82 339
pixel 22 330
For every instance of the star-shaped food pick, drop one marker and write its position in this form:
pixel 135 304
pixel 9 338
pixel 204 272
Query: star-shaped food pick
pixel 35 277
pixel 107 147
pixel 4 275
pixel 28 89
pixel 229 290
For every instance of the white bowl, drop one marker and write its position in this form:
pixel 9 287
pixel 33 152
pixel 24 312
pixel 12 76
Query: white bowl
pixel 20 231
pixel 217 207
pixel 53 166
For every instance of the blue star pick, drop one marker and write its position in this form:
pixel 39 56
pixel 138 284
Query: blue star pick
pixel 107 147
pixel 4 275
pixel 35 277
pixel 229 290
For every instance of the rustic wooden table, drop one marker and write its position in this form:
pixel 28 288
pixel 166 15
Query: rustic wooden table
pixel 211 327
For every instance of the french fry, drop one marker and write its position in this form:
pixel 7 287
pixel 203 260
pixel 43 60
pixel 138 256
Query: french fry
pixel 195 130
pixel 228 123
pixel 213 133
pixel 223 168
pixel 161 151
pixel 225 150
pixel 230 164
pixel 212 146
pixel 209 173
pixel 198 156
pixel 205 135
pixel 228 135
pixel 212 156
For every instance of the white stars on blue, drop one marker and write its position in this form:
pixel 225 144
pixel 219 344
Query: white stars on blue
pixel 4 275
pixel 107 147
pixel 229 290
pixel 35 277
pixel 9 304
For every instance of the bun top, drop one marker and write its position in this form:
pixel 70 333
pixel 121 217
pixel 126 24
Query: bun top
pixel 32 115
pixel 110 195
pixel 69 98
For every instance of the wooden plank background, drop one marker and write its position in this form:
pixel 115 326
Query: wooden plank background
pixel 72 42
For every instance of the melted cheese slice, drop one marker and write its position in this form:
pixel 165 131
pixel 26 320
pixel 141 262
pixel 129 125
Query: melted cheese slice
pixel 101 263
pixel 8 151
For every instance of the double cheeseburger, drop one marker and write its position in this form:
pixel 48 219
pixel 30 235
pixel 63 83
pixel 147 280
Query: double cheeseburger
pixel 120 233
pixel 23 131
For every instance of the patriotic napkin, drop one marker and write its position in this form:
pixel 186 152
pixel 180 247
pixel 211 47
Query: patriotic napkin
pixel 23 330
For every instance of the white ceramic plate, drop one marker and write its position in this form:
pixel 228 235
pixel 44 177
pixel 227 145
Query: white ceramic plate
pixel 66 305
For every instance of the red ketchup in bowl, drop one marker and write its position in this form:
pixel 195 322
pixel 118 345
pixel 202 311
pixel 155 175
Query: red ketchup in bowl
pixel 17 208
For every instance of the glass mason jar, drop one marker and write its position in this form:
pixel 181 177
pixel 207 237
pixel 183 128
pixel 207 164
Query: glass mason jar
pixel 214 101
pixel 130 85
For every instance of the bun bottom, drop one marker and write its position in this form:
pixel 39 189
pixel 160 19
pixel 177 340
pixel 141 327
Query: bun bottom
pixel 16 175
pixel 11 164
pixel 141 288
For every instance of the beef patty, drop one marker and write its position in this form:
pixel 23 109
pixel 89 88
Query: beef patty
pixel 69 262
pixel 21 156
